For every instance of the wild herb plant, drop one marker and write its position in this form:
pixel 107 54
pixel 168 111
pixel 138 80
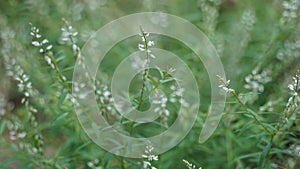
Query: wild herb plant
pixel 257 41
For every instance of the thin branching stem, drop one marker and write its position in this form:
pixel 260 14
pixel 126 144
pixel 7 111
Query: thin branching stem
pixel 146 70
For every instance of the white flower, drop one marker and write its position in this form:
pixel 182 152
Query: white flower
pixel 149 156
pixel 45 41
pixel 141 47
pixel 48 60
pixel 49 47
pixel 189 165
pixel 90 164
pixel 22 135
pixel 225 87
pixel 256 81
pixel 150 43
pixel 248 19
pixel 35 43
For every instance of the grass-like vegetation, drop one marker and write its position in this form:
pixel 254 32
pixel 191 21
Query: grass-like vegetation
pixel 258 42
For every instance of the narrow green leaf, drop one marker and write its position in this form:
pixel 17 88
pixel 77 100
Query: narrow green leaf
pixel 246 97
pixel 68 68
pixel 2 126
pixel 162 75
pixel 60 58
pixel 62 99
pixel 82 146
pixel 252 112
pixel 153 80
pixel 166 80
pixel 263 155
pixel 62 114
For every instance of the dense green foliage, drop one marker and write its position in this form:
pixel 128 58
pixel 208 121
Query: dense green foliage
pixel 258 42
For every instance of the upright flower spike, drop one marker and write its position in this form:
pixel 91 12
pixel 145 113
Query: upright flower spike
pixel 16 72
pixel 290 13
pixel 225 85
pixel 68 33
pixel 38 41
pixel 145 47
pixel 248 19
pixel 149 157
pixel 292 103
pixel 294 100
pixel 43 45
pixel 256 80
pixel 189 165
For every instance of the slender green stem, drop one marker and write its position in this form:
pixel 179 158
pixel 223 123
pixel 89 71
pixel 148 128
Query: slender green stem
pixel 251 113
pixel 146 70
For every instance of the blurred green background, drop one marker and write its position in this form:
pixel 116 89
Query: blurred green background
pixel 257 41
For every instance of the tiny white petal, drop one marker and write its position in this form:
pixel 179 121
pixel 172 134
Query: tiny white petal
pixel 150 43
pixel 75 34
pixel 141 47
pixel 49 47
pixel 45 41
pixel 35 43
pixel 38 36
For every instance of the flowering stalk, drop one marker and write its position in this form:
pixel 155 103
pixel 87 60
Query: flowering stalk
pixel 292 104
pixel 189 165
pixel 25 87
pixel 149 157
pixel 225 86
pixel 288 111
pixel 45 50
pixel 145 47
pixel 51 61
pixel 102 92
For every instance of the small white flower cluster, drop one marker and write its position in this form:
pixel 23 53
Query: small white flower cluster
pixel 161 100
pixel 293 101
pixel 290 12
pixel 25 87
pixel 246 24
pixel 15 132
pixel 5 106
pixel 17 73
pixel 94 164
pixel 176 96
pixel 149 156
pixel 291 50
pixel 38 41
pixel 2 106
pixel 295 149
pixel 256 81
pixel 269 106
pixel 146 44
pixel 189 165
pixel 68 35
pixel 225 85
pixel 210 12
pixel 295 91
pixel 18 134
pixel 42 44
pixel 137 63
pixel 104 97
pixel 77 88
pixel 248 19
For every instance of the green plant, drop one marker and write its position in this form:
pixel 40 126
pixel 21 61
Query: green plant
pixel 257 41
